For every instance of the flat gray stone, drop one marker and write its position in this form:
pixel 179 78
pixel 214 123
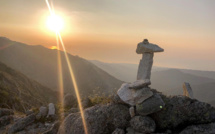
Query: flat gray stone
pixel 133 96
pixel 151 105
pixel 139 84
pixel 187 90
pixel 148 48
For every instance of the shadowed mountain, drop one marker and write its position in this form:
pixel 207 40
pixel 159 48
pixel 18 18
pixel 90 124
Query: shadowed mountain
pixel 41 64
pixel 20 93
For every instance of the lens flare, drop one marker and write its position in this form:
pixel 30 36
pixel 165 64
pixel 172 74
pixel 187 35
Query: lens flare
pixel 75 85
pixel 55 23
pixel 58 36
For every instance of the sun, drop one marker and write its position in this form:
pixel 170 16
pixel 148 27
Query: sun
pixel 55 23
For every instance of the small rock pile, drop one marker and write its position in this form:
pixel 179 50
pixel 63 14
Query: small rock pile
pixel 139 95
pixel 43 121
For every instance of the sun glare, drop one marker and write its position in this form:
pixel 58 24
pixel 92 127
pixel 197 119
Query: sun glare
pixel 53 47
pixel 55 23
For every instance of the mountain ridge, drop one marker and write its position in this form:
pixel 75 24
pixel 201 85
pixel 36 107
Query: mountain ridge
pixel 41 64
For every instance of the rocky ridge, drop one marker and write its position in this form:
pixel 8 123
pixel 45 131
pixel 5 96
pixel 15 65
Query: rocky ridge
pixel 180 115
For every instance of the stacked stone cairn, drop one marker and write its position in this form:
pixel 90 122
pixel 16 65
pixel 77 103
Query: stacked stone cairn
pixel 138 94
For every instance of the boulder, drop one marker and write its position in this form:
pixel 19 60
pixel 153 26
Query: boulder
pixel 34 128
pixel 5 120
pixel 43 110
pixel 133 96
pixel 4 111
pixel 118 131
pixel 200 129
pixel 151 105
pixel 51 109
pixel 21 124
pixel 180 111
pixel 143 124
pixel 70 101
pixel 187 90
pixel 100 119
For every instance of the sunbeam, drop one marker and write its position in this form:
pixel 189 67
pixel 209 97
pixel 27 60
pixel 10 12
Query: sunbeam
pixel 60 74
pixel 58 36
pixel 75 84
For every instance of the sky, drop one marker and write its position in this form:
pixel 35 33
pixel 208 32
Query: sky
pixel 109 30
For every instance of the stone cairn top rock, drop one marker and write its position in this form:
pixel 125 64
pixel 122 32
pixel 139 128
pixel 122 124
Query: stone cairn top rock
pixel 146 47
pixel 138 93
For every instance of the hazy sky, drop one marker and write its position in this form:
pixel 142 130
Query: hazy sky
pixel 109 30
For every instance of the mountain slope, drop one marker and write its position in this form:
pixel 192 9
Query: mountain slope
pixel 20 93
pixel 203 92
pixel 122 71
pixel 209 74
pixel 173 78
pixel 40 64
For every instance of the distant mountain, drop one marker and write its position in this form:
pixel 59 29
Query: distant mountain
pixel 167 80
pixel 40 64
pixel 20 93
pixel 209 74
pixel 173 78
pixel 204 92
pixel 122 71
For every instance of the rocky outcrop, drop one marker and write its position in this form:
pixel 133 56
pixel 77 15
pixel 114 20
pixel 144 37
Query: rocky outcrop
pixel 5 120
pixel 100 119
pixel 181 111
pixel 4 111
pixel 6 116
pixel 143 124
pixel 200 129
pixel 21 124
